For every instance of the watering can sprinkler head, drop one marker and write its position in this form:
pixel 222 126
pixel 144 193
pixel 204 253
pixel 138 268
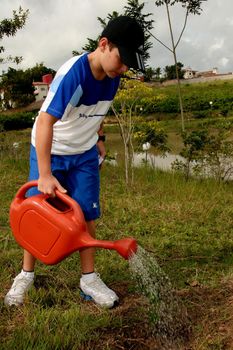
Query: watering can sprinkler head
pixel 126 247
pixel 53 228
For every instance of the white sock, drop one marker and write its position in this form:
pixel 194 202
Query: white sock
pixel 88 277
pixel 26 274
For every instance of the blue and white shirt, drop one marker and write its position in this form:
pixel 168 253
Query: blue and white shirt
pixel 80 102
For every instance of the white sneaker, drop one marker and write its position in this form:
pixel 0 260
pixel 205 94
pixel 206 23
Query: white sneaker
pixel 20 286
pixel 99 292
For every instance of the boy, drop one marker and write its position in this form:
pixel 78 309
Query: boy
pixel 67 139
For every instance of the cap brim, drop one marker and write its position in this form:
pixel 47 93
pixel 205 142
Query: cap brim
pixel 131 58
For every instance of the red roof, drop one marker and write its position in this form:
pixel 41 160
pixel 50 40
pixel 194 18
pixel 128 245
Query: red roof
pixel 39 83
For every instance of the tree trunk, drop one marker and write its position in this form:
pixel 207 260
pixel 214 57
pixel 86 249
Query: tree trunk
pixel 177 73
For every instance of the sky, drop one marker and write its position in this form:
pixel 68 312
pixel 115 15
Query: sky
pixel 55 28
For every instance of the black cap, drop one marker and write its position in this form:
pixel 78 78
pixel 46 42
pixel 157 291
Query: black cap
pixel 127 34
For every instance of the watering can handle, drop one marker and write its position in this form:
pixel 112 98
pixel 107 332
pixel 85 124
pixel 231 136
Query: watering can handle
pixel 34 183
pixel 23 189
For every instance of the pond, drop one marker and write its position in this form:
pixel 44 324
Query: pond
pixel 156 161
pixel 221 170
pixel 114 148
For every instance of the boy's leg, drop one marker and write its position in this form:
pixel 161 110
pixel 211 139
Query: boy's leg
pixel 90 283
pixel 83 186
pixel 22 282
pixel 28 262
pixel 87 255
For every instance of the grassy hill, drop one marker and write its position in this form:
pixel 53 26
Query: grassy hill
pixel 186 227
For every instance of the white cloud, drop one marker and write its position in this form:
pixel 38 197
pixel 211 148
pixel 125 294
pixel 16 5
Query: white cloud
pixel 218 44
pixel 56 27
pixel 229 21
pixel 224 61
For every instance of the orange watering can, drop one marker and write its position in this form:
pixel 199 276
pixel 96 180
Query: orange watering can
pixel 53 228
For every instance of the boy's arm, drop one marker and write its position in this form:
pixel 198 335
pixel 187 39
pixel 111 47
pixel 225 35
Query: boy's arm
pixel 47 183
pixel 100 143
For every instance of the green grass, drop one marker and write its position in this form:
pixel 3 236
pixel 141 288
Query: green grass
pixel 187 227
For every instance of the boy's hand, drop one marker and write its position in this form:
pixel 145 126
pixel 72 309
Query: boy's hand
pixel 49 184
pixel 102 152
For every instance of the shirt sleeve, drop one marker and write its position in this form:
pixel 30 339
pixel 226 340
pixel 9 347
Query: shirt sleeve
pixel 66 88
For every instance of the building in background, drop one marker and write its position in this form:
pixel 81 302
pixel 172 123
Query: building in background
pixel 189 73
pixel 42 87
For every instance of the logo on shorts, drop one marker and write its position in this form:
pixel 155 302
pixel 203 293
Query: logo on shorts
pixel 95 205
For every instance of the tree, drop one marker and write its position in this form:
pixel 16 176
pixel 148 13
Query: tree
pixel 17 85
pixel 38 71
pixel 149 73
pixel 170 71
pixel 91 44
pixel 127 110
pixel 191 7
pixel 158 73
pixel 9 27
pixel 133 9
pixel 104 21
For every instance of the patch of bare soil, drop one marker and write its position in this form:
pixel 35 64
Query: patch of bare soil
pixel 209 322
pixel 136 330
pixel 211 315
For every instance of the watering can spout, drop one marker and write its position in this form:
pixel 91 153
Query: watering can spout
pixel 126 247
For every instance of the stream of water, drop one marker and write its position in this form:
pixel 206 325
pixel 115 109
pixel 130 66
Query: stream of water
pixel 167 314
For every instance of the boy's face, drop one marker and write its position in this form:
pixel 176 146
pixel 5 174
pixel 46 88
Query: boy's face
pixel 110 60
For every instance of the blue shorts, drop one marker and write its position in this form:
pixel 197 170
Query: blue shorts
pixel 78 174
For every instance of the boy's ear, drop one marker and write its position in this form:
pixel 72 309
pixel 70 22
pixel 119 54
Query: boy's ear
pixel 103 42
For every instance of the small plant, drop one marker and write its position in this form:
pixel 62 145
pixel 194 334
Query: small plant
pixel 207 154
pixel 193 153
pixel 151 132
pixel 219 155
pixel 125 108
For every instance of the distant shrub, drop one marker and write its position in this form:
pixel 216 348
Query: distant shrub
pixel 17 121
pixel 224 112
pixel 200 114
